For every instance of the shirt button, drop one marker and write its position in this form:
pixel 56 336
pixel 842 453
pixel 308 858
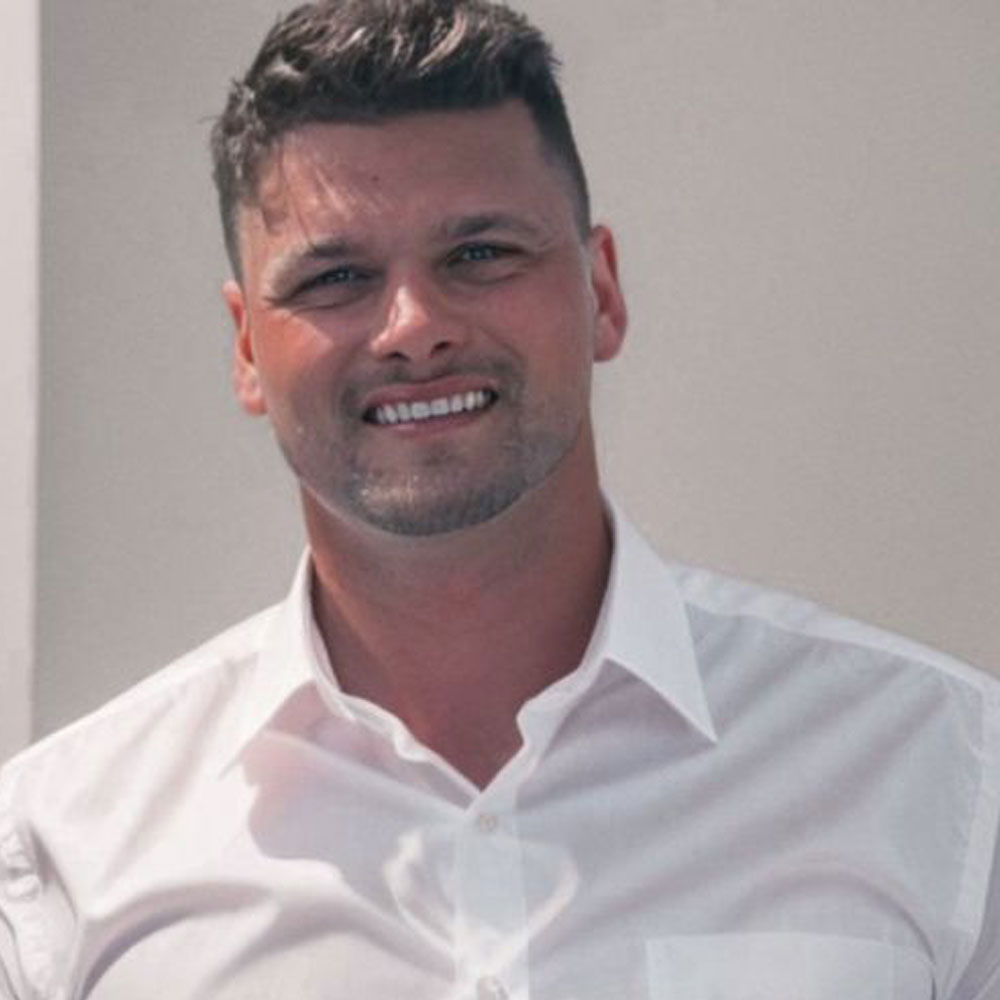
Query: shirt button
pixel 487 823
pixel 490 988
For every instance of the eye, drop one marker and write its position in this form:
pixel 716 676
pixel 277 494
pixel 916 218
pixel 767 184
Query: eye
pixel 343 275
pixel 478 252
pixel 336 286
pixel 485 263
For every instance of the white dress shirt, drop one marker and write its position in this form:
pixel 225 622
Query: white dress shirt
pixel 736 796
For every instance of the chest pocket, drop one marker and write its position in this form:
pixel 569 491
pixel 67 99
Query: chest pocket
pixel 783 967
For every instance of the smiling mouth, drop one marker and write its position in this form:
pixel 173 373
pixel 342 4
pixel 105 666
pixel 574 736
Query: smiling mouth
pixel 419 411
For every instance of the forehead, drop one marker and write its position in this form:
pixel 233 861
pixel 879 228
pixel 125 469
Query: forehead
pixel 396 169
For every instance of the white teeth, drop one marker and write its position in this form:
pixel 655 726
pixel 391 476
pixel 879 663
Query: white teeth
pixel 442 406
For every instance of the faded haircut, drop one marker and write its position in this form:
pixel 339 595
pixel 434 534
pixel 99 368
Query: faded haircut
pixel 369 60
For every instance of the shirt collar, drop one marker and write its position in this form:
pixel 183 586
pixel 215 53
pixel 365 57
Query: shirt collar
pixel 286 662
pixel 642 627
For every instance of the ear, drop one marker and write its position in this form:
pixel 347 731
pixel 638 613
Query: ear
pixel 246 381
pixel 611 313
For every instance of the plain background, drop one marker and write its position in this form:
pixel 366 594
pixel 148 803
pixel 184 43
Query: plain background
pixel 807 200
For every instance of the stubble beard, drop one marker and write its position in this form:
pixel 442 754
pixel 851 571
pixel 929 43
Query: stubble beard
pixel 452 487
pixel 448 496
pixel 449 491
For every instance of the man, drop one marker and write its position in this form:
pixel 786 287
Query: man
pixel 490 746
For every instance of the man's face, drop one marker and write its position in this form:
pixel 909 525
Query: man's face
pixel 418 315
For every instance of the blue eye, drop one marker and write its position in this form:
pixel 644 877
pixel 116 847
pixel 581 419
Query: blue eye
pixel 487 263
pixel 481 252
pixel 335 276
pixel 336 286
pixel 475 253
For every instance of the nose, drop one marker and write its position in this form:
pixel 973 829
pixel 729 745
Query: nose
pixel 418 324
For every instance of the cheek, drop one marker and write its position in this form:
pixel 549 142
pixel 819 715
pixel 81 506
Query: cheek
pixel 291 354
pixel 296 388
pixel 552 324
pixel 565 348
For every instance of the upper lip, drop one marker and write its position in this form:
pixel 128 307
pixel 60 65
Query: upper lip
pixel 415 392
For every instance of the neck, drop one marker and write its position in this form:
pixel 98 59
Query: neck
pixel 453 633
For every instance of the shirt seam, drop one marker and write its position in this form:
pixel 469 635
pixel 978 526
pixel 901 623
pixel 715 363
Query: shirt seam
pixel 970 904
pixel 980 681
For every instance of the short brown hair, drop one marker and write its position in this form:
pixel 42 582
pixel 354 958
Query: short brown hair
pixel 365 60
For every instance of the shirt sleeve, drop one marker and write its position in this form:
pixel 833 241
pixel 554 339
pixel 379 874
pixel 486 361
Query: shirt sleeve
pixel 26 967
pixel 981 980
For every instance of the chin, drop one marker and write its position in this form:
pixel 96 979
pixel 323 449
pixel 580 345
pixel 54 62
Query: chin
pixel 414 514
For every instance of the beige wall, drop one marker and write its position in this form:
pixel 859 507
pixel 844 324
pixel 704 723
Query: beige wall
pixel 19 295
pixel 807 202
pixel 808 196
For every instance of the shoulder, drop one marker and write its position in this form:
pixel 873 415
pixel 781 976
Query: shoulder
pixel 91 801
pixel 903 739
pixel 717 601
pixel 205 680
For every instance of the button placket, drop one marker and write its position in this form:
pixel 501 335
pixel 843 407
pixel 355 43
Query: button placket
pixel 491 924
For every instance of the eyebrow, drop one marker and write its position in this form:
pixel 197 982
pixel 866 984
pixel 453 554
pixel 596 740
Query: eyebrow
pixel 465 226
